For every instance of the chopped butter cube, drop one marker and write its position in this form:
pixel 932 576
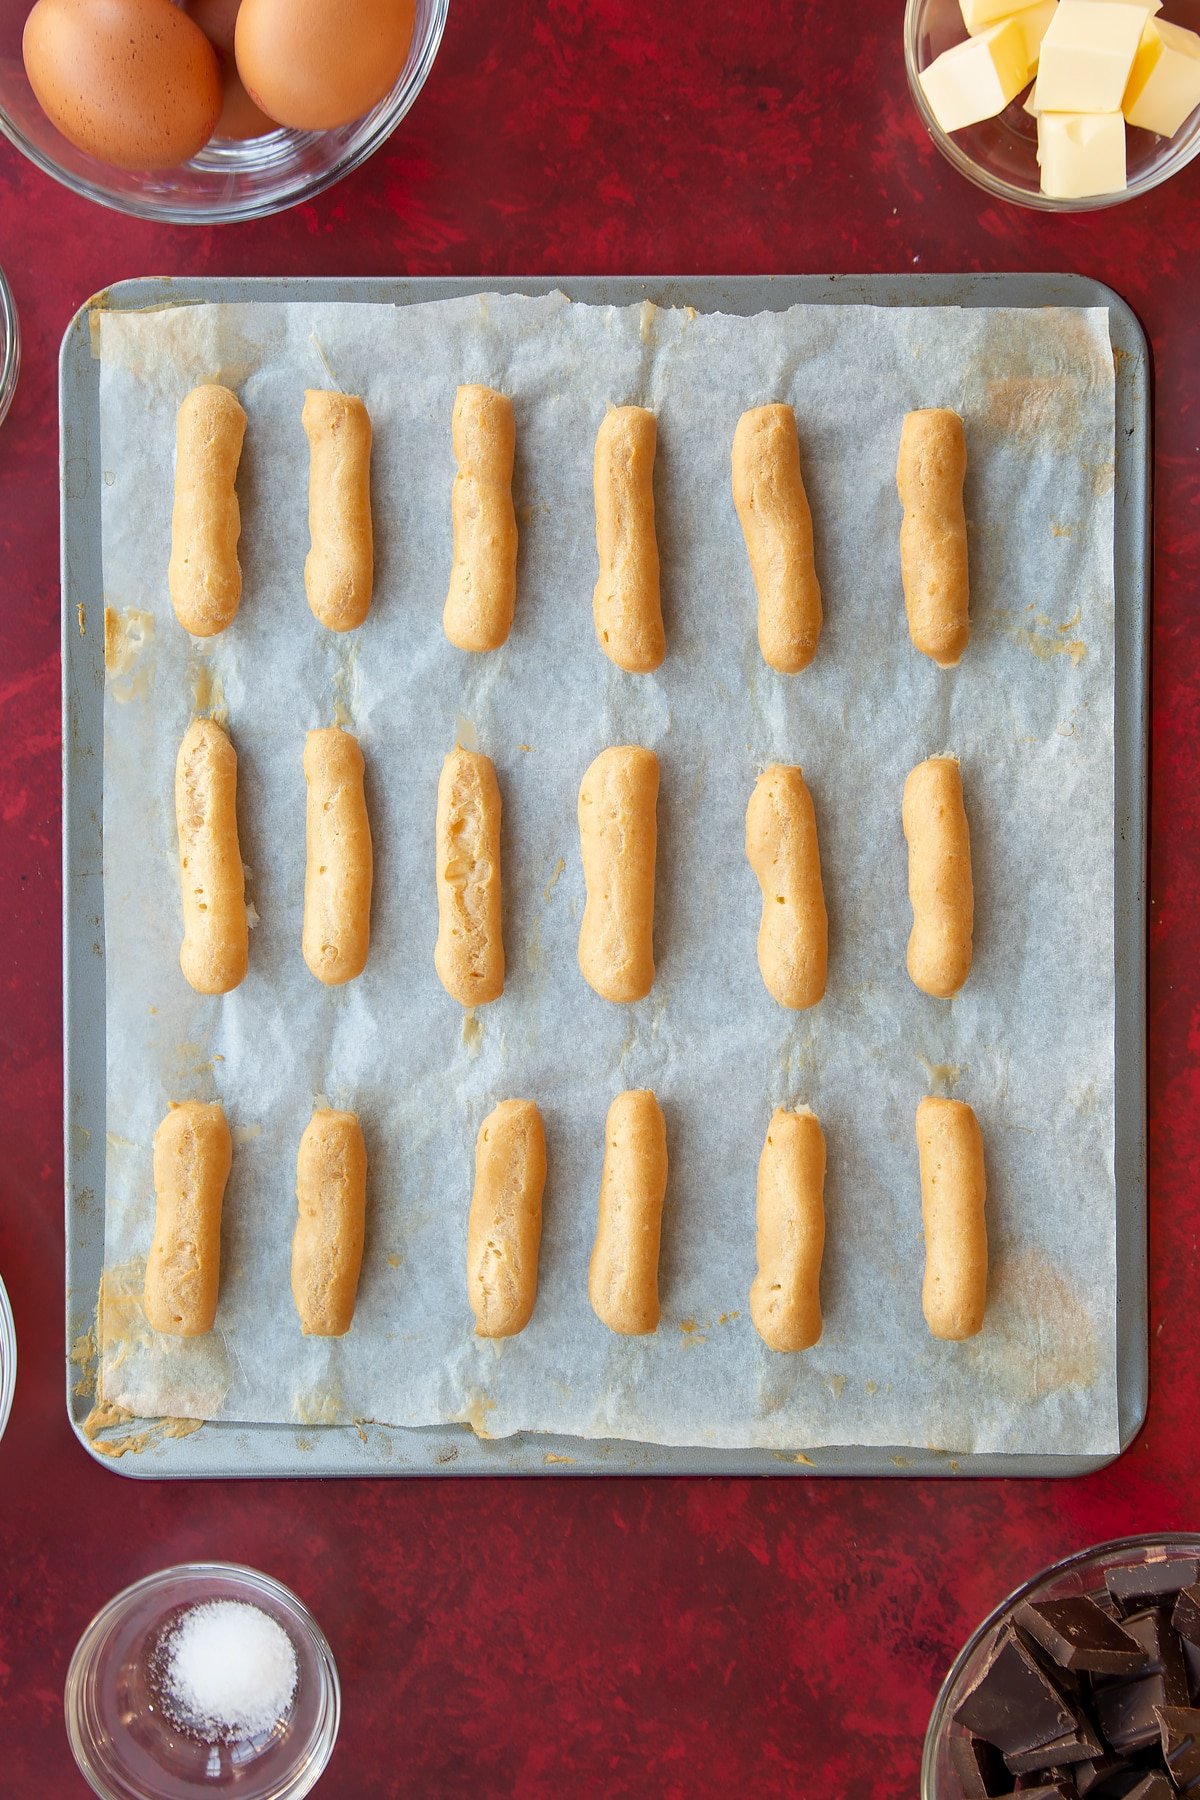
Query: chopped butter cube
pixel 976 79
pixel 1031 102
pixel 1164 84
pixel 1081 153
pixel 1087 54
pixel 979 14
pixel 1033 23
pixel 1152 6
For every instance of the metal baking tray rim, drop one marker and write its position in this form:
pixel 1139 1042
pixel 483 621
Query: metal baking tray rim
pixel 235 1450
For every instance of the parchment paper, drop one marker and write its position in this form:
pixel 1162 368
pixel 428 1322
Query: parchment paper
pixel 1029 1041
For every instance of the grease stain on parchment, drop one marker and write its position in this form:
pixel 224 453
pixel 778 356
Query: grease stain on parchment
pixel 127 636
pixel 474 1413
pixel 208 690
pixel 1037 411
pixel 1038 1336
pixel 173 347
pixel 942 1076
pixel 346 687
pixel 106 1417
pixel 320 1406
pixel 1043 638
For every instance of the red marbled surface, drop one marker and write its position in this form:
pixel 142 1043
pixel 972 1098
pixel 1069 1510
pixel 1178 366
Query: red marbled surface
pixel 776 1637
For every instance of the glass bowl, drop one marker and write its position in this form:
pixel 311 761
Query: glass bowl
pixel 227 180
pixel 10 361
pixel 1082 1573
pixel 127 1748
pixel 8 1336
pixel 1000 154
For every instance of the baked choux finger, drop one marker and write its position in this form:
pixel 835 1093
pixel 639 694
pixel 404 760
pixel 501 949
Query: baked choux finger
pixel 339 871
pixel 469 954
pixel 483 578
pixel 204 576
pixel 785 1297
pixel 782 849
pixel 327 1245
pixel 339 568
pixel 618 842
pixel 623 1271
pixel 768 492
pixel 504 1228
pixel 933 537
pixel 939 877
pixel 627 605
pixel 953 1201
pixel 212 882
pixel 193 1153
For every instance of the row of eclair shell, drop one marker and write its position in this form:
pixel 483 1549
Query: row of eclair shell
pixel 205 578
pixel 618 836
pixel 193 1154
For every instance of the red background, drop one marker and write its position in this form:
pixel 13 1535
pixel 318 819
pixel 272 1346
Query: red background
pixel 780 1636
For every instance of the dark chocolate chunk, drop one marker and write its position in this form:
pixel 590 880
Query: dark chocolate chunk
pixel 1077 1635
pixel 1179 1729
pixel 1062 1789
pixel 1151 1787
pixel 1191 1659
pixel 1125 1712
pixel 1014 1704
pixel 1089 1775
pixel 1164 1653
pixel 979 1767
pixel 1122 1782
pixel 1186 1614
pixel 1080 1745
pixel 1151 1583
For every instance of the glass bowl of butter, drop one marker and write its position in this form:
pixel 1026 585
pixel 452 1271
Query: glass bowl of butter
pixel 1062 105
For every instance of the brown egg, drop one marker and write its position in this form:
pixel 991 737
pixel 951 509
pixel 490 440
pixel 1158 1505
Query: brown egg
pixel 240 118
pixel 132 82
pixel 318 63
pixel 216 19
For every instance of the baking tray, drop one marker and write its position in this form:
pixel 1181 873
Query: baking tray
pixel 223 1450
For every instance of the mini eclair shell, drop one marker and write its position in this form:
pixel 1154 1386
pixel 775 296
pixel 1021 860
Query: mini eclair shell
pixel 204 576
pixel 193 1154
pixel 479 608
pixel 627 602
pixel 618 840
pixel 212 881
pixel 772 506
pixel 623 1272
pixel 331 1201
pixel 339 569
pixel 504 1228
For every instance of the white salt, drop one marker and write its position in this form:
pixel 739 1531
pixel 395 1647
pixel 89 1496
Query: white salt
pixel 228 1670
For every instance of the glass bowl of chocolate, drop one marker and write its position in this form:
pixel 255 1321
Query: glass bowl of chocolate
pixel 1083 1685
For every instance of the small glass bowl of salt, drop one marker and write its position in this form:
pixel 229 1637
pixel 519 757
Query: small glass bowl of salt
pixel 204 1679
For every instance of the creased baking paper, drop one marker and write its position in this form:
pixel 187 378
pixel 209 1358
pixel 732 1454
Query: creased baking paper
pixel 1029 1042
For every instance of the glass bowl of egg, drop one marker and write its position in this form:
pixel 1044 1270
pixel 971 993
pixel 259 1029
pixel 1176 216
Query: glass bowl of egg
pixel 201 111
pixel 1062 105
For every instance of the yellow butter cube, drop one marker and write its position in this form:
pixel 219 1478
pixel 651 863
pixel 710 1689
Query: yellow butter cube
pixel 1033 22
pixel 1150 6
pixel 1087 54
pixel 976 79
pixel 979 14
pixel 1031 102
pixel 1081 153
pixel 1164 84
